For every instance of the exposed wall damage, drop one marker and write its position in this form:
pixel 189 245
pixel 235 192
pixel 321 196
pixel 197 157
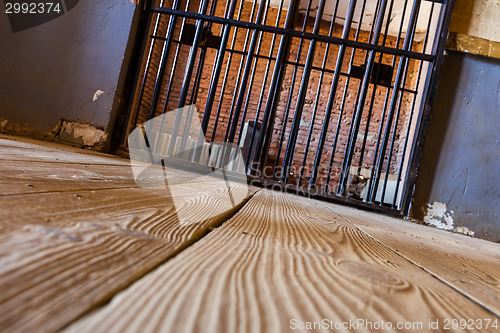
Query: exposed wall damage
pixel 78 133
pixel 439 216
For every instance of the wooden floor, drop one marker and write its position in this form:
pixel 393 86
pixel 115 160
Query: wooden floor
pixel 84 249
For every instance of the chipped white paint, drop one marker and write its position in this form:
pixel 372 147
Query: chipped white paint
pixel 440 217
pixel 437 216
pixel 464 230
pixel 97 94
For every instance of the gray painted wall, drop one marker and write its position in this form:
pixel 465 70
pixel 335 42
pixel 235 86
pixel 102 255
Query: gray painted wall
pixel 52 71
pixel 461 159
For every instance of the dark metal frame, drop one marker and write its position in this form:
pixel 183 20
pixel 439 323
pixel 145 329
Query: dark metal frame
pixel 250 56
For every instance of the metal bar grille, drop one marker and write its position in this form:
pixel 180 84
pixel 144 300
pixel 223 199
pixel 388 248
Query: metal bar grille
pixel 325 97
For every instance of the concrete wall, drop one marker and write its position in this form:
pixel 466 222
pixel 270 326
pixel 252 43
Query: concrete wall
pixel 458 185
pixel 67 68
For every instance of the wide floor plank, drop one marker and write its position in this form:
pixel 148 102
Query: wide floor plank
pixel 281 261
pixel 25 177
pixel 469 265
pixel 24 149
pixel 70 242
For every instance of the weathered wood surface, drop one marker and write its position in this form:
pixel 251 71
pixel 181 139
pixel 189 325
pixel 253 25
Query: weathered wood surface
pixel 70 242
pixel 23 149
pixel 282 258
pixel 469 265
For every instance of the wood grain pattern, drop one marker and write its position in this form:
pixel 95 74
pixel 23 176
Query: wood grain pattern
pixel 28 177
pixel 281 258
pixel 23 149
pixel 69 243
pixel 469 265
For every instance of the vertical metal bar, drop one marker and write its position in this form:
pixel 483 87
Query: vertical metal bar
pixel 414 102
pixel 374 90
pixel 147 8
pixel 302 95
pixel 318 94
pixel 240 73
pixel 293 79
pixel 318 91
pixel 174 64
pixel 171 78
pixel 239 91
pixel 246 73
pixel 386 104
pixel 217 68
pixel 359 111
pixel 192 55
pixel 163 61
pixel 187 75
pixel 276 79
pixel 255 154
pixel 248 64
pixel 345 96
pixel 399 76
pixel 391 148
pixel 252 78
pixel 228 66
pixel 333 89
pixel 423 116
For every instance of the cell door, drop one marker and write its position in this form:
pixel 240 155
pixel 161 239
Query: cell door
pixel 326 98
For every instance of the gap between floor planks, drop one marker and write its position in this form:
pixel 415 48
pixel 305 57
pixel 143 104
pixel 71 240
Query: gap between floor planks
pixel 281 257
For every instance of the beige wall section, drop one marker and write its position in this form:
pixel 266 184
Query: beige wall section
pixel 477 18
pixel 475 28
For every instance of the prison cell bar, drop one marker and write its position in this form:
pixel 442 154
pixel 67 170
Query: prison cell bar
pixel 318 91
pixel 375 84
pixel 333 88
pixel 344 98
pixel 356 121
pixel 386 101
pixel 409 126
pixel 275 86
pixel 401 67
pixel 423 115
pixel 252 154
pixel 229 61
pixel 292 87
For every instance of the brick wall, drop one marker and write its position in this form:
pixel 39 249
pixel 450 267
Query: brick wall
pixel 260 82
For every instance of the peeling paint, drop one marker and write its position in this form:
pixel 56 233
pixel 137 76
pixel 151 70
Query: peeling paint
pixel 79 133
pixel 84 132
pixel 437 216
pixel 440 217
pixel 97 94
